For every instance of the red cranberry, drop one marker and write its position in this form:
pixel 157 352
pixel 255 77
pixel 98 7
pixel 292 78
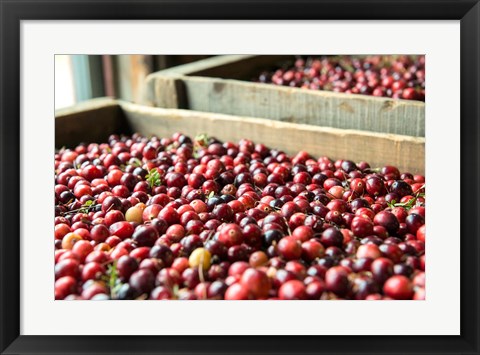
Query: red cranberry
pixel 398 287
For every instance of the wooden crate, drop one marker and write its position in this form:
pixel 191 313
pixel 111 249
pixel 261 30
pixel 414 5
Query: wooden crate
pixel 220 84
pixel 95 120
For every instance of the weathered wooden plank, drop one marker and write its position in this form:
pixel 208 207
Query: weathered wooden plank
pixel 89 121
pixel 164 88
pixel 95 120
pixel 220 66
pixel 211 93
pixel 407 153
pixel 295 105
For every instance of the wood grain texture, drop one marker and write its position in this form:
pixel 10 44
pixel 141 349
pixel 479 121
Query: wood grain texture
pixel 407 153
pixel 89 121
pixel 94 121
pixel 206 89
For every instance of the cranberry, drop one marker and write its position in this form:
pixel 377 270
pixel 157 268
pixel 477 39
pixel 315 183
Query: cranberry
pixel 387 220
pixel 332 237
pixel 414 222
pixel 143 281
pixel 361 227
pixel 336 280
pixel 292 290
pixel 240 221
pixel 237 291
pixel 257 282
pixel 231 234
pixel 398 287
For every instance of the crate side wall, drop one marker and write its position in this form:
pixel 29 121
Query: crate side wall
pixel 204 86
pixel 93 125
pixel 407 153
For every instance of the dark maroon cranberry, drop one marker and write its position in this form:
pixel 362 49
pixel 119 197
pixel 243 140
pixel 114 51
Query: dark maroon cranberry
pixel 127 292
pixel 413 262
pixel 216 290
pixel 66 197
pixel 361 227
pixel 216 247
pixel 401 188
pixel 195 194
pixel 111 203
pixel 246 221
pixel 191 278
pixel 243 178
pixel 126 265
pixel 371 239
pixel 315 289
pixel 335 217
pixel 375 186
pixel 223 212
pixel 334 252
pixel 272 236
pixel 252 234
pixel 175 180
pixel 323 199
pixel 218 271
pixel 392 240
pixel 351 247
pixel 282 276
pixel 314 222
pixel 191 242
pixel 382 269
pixel 388 221
pixel 326 262
pixel 414 222
pixel 336 280
pixel 391 251
pixel 160 225
pixel 391 171
pixel 362 264
pixel 238 253
pixel 407 249
pixel 214 201
pixel 358 203
pixel 129 180
pixel 143 281
pixel 145 236
pixel 402 269
pixel 364 286
pixel 332 237
pixel 226 178
pixel 348 166
pixel 163 253
pixel 348 263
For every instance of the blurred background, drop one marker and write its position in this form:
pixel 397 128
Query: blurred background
pixel 82 77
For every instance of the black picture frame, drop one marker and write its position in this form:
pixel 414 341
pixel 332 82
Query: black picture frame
pixel 13 12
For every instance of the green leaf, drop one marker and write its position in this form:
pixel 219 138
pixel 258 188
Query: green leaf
pixel 202 139
pixel 136 162
pixel 87 206
pixel 113 281
pixel 153 178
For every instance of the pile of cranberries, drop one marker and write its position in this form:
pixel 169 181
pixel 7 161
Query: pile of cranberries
pixel 176 218
pixel 398 77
